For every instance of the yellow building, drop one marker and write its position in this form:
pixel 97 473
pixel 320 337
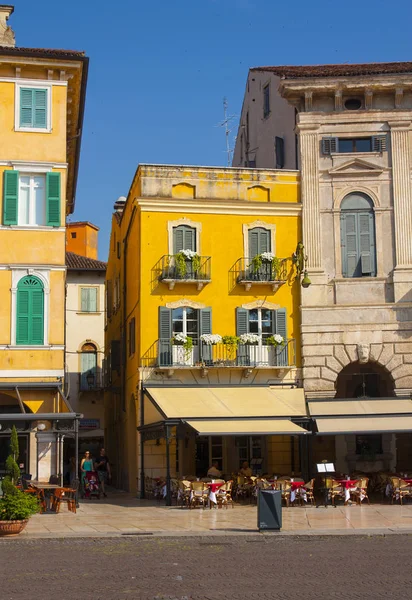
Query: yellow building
pixel 42 94
pixel 200 261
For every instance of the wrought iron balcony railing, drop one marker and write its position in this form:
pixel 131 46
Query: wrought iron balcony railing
pixel 170 270
pixel 165 354
pixel 246 272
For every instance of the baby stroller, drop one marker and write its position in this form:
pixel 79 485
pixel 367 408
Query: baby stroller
pixel 91 485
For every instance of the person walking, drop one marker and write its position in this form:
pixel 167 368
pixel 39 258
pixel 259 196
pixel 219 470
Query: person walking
pixel 102 466
pixel 85 466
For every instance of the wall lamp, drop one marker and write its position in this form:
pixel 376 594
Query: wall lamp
pixel 300 259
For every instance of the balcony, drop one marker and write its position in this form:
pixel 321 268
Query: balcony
pixel 245 272
pixel 171 270
pixel 91 381
pixel 165 354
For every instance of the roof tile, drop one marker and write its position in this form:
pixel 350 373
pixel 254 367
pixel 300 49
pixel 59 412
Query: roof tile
pixel 345 70
pixel 76 262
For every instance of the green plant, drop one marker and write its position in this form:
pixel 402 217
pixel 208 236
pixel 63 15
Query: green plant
pixel 12 468
pixel 18 506
pixel 196 263
pixel 180 261
pixel 275 340
pixel 256 263
pixel 231 341
pixel 276 264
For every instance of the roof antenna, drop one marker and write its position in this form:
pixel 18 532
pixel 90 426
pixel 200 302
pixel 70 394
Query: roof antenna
pixel 228 130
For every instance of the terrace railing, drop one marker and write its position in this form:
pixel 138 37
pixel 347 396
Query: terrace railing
pixel 245 272
pixel 170 271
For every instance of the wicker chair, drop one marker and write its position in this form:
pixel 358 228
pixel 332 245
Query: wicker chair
pixel 185 490
pixel 400 489
pixel 335 489
pixel 308 487
pixel 200 494
pixel 224 495
pixel 285 487
pixel 361 491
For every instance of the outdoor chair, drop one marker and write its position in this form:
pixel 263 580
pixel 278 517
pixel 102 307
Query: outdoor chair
pixel 224 495
pixel 400 489
pixel 185 491
pixel 285 487
pixel 361 491
pixel 244 487
pixel 335 489
pixel 200 494
pixel 206 479
pixel 308 487
pixel 67 495
pixel 148 487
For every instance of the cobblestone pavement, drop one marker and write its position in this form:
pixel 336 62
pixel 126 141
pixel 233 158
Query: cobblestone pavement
pixel 207 568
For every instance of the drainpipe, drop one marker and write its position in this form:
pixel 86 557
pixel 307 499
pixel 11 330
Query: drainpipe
pixel 142 476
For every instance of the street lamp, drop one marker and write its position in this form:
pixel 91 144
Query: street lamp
pixel 300 259
pixel 90 379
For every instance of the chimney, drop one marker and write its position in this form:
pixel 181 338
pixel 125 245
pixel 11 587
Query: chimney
pixel 6 33
pixel 119 205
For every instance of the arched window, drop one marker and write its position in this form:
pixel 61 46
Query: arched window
pixel 30 312
pixel 184 238
pixel 259 241
pixel 358 236
pixel 88 367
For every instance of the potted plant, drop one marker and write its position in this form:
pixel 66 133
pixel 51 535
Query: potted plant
pixel 251 339
pixel 266 266
pixel 275 344
pixel 231 342
pixel 207 341
pixel 187 264
pixel 186 342
pixel 16 507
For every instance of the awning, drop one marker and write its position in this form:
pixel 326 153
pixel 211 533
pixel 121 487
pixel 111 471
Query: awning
pixel 247 427
pixel 381 424
pixel 227 402
pixel 377 406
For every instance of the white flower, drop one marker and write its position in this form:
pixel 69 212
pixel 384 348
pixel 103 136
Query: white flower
pixel 210 339
pixel 180 338
pixel 278 338
pixel 188 253
pixel 269 256
pixel 249 338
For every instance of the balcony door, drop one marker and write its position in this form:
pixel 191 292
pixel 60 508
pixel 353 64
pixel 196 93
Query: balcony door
pixel 259 242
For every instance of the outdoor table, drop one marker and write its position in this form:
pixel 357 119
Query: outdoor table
pixel 213 488
pixel 347 484
pixel 408 480
pixel 296 486
pixel 44 485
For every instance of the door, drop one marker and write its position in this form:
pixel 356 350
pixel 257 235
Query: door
pixel 202 456
pixel 259 242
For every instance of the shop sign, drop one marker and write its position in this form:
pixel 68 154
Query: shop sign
pixel 89 424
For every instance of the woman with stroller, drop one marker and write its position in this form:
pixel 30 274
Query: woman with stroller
pixel 85 466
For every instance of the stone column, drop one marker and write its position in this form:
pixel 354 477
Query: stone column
pixel 402 208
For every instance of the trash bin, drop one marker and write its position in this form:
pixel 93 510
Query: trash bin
pixel 269 510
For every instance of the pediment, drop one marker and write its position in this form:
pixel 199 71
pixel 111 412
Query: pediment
pixel 357 166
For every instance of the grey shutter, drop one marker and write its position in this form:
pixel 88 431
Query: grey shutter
pixel 205 326
pixel 350 252
pixel 379 143
pixel 253 243
pixel 189 238
pixel 178 239
pixel 366 243
pixel 281 329
pixel 329 145
pixel 165 336
pixel 280 152
pixel 242 326
pixel 259 241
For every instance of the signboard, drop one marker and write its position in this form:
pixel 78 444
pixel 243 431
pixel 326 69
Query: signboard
pixel 89 424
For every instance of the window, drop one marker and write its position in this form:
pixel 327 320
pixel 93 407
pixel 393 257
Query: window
pixel 30 312
pixel 30 199
pixel 74 235
pixel 88 367
pixel 184 238
pixel 266 101
pixel 118 249
pixel 353 104
pixel 88 299
pixel 132 336
pixel 259 241
pixel 185 320
pixel 358 236
pixel 109 298
pixel 280 152
pixel 375 143
pixel 33 109
pixel 369 445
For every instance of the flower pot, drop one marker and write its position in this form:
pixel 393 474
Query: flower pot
pixel 12 527
pixel 183 357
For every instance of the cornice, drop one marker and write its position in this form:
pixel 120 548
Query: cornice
pixel 223 207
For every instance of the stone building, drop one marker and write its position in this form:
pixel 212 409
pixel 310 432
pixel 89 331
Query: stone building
pixel 354 129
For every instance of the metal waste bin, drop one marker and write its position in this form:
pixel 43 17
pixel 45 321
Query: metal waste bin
pixel 269 510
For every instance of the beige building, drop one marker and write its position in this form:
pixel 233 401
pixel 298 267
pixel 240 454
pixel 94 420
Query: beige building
pixel 355 136
pixel 85 312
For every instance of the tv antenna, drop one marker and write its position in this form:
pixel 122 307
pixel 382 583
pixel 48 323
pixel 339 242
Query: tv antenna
pixel 226 123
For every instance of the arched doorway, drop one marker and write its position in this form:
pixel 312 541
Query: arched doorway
pixel 369 380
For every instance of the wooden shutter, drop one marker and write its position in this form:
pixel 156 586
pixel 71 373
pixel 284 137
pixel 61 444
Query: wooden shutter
pixel 259 241
pixel 37 317
pixel 165 336
pixel 329 145
pixel 26 107
pixel 280 319
pixel 366 243
pixel 10 197
pixel 22 317
pixel 379 143
pixel 88 299
pixel 184 238
pixel 280 152
pixel 349 241
pixel 40 109
pixel 242 326
pixel 205 326
pixel 88 364
pixel 189 239
pixel 253 243
pixel 53 199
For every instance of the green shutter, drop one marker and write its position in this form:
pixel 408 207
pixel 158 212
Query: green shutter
pixel 242 326
pixel 22 317
pixel 259 241
pixel 53 199
pixel 189 239
pixel 40 109
pixel 281 329
pixel 253 243
pixel 178 239
pixel 88 364
pixel 205 326
pixel 26 107
pixel 184 238
pixel 88 299
pixel 165 336
pixel 10 197
pixel 30 312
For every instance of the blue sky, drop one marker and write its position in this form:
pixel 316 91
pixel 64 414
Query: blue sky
pixel 159 71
